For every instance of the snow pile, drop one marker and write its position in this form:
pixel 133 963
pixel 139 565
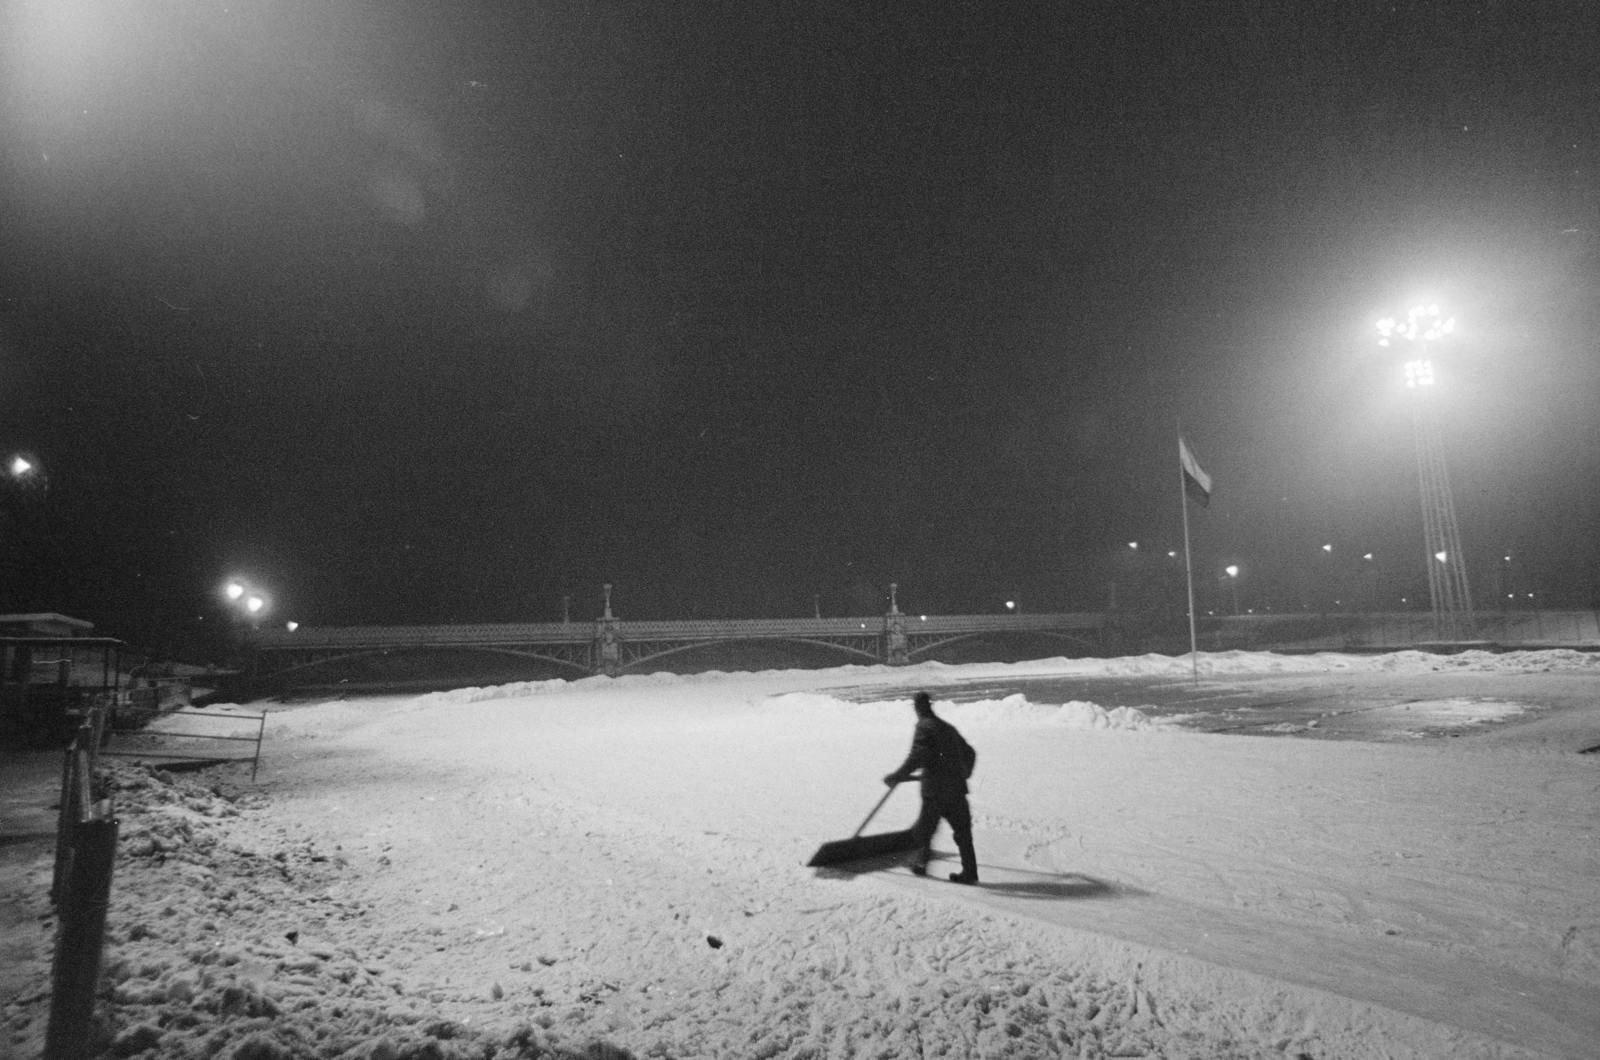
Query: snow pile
pixel 1013 710
pixel 228 937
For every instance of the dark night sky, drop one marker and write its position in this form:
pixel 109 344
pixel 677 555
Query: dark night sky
pixel 439 311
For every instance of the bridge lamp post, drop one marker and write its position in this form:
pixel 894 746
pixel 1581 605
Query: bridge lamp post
pixel 1447 569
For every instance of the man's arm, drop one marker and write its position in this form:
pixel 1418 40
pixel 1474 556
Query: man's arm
pixel 921 754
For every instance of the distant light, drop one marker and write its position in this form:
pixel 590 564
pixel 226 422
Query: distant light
pixel 234 590
pixel 254 604
pixel 291 626
pixel 1011 605
pixel 1172 555
pixel 1134 545
pixel 1249 610
pixel 1508 559
pixel 20 466
pixel 863 625
pixel 1327 548
pixel 1511 596
pixel 924 618
pixel 1233 570
pixel 1402 599
pixel 1530 596
pixel 1367 556
pixel 1441 556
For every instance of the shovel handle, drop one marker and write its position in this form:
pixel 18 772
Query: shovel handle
pixel 875 810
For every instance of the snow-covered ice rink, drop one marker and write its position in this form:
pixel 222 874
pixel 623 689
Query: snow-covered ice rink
pixel 622 859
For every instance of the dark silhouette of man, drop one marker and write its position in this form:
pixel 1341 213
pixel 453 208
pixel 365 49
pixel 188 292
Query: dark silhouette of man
pixel 943 756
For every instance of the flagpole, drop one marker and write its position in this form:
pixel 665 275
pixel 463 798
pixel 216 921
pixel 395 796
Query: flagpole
pixel 1188 563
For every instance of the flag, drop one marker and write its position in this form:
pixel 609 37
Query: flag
pixel 1196 483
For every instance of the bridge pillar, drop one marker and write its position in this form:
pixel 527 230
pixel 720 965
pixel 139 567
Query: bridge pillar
pixel 895 652
pixel 608 640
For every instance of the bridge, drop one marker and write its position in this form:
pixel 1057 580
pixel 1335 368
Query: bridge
pixel 610 645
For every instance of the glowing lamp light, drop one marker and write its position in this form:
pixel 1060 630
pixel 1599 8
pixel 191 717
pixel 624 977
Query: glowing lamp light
pixel 1419 373
pixel 291 626
pixel 234 590
pixel 1172 555
pixel 20 466
pixel 1327 548
pixel 254 604
pixel 1011 605
pixel 1134 545
pixel 1233 570
pixel 1441 556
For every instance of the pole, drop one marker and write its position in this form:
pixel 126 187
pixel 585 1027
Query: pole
pixel 77 957
pixel 1188 567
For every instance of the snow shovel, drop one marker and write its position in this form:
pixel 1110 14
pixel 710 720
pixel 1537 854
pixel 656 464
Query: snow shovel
pixel 861 846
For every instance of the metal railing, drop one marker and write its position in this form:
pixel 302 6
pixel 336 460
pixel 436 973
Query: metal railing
pixel 163 754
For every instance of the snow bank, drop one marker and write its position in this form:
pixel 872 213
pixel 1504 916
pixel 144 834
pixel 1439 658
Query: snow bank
pixel 1013 710
pixel 1212 664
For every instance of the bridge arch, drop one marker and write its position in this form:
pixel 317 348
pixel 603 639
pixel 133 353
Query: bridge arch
pixel 924 647
pixel 580 669
pixel 676 649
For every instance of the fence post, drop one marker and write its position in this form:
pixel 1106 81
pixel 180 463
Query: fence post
pixel 76 973
pixel 67 817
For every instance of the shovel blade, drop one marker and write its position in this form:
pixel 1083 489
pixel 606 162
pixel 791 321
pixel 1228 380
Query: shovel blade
pixel 862 846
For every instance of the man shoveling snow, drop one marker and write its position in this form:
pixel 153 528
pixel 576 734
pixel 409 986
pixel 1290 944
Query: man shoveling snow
pixel 946 761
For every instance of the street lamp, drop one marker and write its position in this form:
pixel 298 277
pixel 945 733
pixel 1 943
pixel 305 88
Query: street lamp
pixel 245 600
pixel 1232 571
pixel 25 470
pixel 1447 575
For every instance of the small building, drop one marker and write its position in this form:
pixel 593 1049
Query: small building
pixel 43 624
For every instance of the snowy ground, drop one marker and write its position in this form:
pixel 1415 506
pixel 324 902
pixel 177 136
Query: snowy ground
pixel 620 860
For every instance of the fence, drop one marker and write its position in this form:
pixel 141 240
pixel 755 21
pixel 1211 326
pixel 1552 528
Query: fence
pixel 128 742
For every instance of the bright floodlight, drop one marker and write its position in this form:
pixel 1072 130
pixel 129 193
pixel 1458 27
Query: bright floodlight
pixel 1233 570
pixel 234 590
pixel 254 604
pixel 1423 323
pixel 1419 373
pixel 20 466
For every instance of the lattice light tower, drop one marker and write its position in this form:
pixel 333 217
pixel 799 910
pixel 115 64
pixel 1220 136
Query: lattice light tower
pixel 1447 568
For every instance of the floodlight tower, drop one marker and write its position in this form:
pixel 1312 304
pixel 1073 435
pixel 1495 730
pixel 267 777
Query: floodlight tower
pixel 1447 567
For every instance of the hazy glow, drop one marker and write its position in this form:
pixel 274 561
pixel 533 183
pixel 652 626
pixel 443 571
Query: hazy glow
pixel 291 626
pixel 254 604
pixel 1419 373
pixel 20 466
pixel 1133 545
pixel 1233 571
pixel 1327 548
pixel 1441 556
pixel 1367 556
pixel 1011 605
pixel 234 590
